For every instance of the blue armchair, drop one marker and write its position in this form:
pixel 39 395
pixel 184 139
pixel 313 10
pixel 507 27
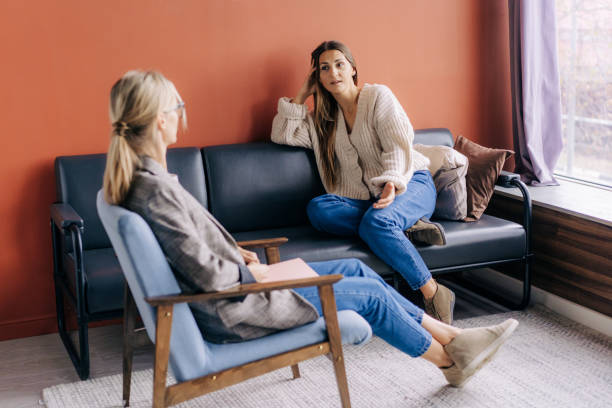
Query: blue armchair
pixel 199 366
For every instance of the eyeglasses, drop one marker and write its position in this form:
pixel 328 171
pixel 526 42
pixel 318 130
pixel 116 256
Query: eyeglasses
pixel 180 107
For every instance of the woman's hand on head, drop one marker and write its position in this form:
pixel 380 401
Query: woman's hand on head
pixel 258 270
pixel 386 197
pixel 307 89
pixel 248 256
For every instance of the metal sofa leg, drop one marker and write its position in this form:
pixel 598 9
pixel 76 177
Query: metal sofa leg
pixel 496 297
pixel 79 360
pixel 526 284
pixel 84 349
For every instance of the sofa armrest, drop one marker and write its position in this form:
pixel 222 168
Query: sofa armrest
pixel 507 179
pixel 512 180
pixel 243 290
pixel 66 223
pixel 64 216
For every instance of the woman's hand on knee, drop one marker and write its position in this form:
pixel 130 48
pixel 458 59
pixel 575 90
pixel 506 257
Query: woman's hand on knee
pixel 386 197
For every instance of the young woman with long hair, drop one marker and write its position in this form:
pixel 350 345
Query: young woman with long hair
pixel 377 185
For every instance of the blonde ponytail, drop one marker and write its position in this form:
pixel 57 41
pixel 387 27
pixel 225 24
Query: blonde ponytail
pixel 135 101
pixel 121 161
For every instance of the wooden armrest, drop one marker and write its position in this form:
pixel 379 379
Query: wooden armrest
pixel 270 245
pixel 244 290
pixel 263 243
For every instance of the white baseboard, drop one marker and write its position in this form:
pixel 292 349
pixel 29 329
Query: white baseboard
pixel 583 315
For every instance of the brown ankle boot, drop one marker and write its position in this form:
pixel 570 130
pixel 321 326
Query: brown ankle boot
pixel 441 305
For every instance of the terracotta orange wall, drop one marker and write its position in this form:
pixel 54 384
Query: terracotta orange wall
pixel 446 61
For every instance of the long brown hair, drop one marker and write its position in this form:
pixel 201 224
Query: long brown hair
pixel 326 111
pixel 135 101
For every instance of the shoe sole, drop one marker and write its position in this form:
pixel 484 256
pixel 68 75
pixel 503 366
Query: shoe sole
pixel 487 354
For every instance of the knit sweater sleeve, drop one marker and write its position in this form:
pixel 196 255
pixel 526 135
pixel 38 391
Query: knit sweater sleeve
pixel 292 125
pixel 395 134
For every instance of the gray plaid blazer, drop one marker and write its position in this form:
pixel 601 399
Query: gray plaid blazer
pixel 205 257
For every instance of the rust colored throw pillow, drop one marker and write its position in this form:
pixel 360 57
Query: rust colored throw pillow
pixel 484 166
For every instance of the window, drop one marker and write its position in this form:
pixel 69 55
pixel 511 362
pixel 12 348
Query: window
pixel 585 65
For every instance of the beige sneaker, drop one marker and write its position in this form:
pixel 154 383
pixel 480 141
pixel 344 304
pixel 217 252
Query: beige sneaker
pixel 474 348
pixel 441 305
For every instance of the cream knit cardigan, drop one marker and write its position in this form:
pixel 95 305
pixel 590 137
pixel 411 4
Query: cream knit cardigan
pixel 378 150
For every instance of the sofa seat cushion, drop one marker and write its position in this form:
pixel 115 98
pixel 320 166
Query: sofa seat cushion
pixel 313 246
pixel 104 282
pixel 486 240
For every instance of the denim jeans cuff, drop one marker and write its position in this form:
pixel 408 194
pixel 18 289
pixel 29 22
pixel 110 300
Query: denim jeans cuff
pixel 419 316
pixel 426 344
pixel 428 338
pixel 421 283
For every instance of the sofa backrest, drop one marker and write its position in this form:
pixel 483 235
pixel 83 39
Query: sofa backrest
pixel 263 185
pixel 78 178
pixel 254 186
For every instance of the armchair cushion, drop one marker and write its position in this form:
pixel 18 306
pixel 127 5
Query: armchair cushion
pixel 353 329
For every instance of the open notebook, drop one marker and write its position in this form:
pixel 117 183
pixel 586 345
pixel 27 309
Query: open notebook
pixel 288 270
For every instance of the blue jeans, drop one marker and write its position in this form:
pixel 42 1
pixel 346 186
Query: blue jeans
pixel 383 230
pixel 392 317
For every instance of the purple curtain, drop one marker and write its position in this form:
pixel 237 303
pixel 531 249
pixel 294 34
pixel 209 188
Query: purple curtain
pixel 536 93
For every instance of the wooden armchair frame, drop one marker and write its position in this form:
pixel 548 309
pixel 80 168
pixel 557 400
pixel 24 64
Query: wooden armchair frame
pixel 166 396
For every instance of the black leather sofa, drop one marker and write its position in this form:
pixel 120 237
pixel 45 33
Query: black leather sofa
pixel 256 190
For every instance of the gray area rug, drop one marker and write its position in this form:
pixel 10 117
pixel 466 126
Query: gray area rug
pixel 550 361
